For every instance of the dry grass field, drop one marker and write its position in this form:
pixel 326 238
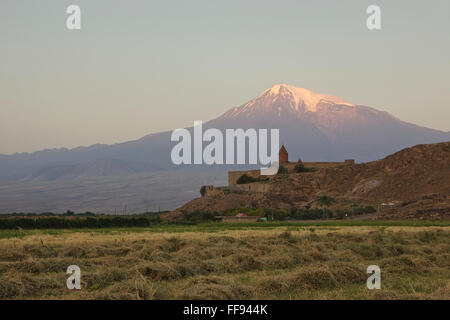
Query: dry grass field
pixel 287 262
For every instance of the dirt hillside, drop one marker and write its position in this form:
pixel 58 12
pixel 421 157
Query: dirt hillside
pixel 412 183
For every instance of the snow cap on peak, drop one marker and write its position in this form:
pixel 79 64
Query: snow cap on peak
pixel 304 96
pixel 284 99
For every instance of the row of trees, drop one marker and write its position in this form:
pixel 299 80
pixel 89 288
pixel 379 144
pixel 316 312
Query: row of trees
pixel 78 222
pixel 70 213
pixel 292 213
pixel 314 214
pixel 198 216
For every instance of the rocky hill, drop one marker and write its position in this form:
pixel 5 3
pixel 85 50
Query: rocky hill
pixel 412 183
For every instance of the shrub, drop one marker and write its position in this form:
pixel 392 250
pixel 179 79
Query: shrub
pixel 325 201
pixel 310 214
pixel 293 211
pixel 279 215
pixel 299 167
pixel 363 210
pixel 245 178
pixel 197 216
pixel 328 213
pixel 370 209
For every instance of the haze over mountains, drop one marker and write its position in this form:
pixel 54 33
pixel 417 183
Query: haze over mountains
pixel 314 127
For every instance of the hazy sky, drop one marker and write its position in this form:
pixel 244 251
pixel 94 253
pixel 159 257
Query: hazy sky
pixel 138 67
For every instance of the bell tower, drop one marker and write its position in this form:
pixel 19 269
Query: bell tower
pixel 283 155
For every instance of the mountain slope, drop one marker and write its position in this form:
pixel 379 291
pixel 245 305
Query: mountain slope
pixel 98 168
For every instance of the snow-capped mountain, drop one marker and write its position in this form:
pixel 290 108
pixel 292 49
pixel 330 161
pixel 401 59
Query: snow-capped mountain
pixel 284 99
pixel 323 127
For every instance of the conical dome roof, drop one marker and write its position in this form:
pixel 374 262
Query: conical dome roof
pixel 283 150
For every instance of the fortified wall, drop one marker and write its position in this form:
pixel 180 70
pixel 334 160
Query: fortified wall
pixel 233 176
pixel 307 183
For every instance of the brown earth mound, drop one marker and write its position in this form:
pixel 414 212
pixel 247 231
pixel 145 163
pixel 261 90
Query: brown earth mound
pixel 413 183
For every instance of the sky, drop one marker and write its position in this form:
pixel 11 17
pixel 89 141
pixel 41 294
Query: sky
pixel 139 67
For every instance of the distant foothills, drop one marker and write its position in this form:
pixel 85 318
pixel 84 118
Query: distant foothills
pixel 138 176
